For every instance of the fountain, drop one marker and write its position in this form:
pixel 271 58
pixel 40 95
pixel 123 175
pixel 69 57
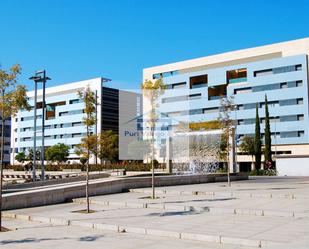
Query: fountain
pixel 196 152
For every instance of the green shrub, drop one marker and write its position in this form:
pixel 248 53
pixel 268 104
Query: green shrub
pixel 16 167
pixel 129 166
pixel 263 172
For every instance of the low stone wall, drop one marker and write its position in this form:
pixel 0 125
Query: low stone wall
pixel 54 195
pixel 29 185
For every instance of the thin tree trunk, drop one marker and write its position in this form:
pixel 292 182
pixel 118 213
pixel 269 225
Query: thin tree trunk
pixel 1 158
pixel 87 173
pixel 152 168
pixel 152 150
pixel 228 160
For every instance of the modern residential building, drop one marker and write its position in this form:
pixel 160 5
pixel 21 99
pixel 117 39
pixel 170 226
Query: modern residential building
pixel 64 116
pixel 279 71
pixel 7 140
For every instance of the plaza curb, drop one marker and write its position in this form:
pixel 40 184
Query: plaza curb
pixel 210 210
pixel 291 196
pixel 140 230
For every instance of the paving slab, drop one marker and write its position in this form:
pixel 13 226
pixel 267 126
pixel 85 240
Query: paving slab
pixel 37 235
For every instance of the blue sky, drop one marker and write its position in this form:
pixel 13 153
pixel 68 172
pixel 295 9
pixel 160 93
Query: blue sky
pixel 81 39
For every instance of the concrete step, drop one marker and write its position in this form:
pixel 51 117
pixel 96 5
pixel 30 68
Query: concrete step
pixel 210 210
pixel 146 231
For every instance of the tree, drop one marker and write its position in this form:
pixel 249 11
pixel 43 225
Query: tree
pixel 267 148
pixel 13 98
pixel 257 140
pixel 108 146
pixel 83 161
pixel 227 125
pixel 151 91
pixel 247 146
pixel 21 157
pixel 87 146
pixel 57 153
pixel 90 101
pixel 29 156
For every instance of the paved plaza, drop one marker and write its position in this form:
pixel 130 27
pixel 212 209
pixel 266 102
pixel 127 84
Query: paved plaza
pixel 261 212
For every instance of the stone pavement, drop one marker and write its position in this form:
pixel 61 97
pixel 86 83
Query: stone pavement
pixel 263 212
pixel 36 235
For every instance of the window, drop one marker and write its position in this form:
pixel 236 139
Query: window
pixel 182 98
pixel 77 124
pixel 249 121
pixel 298 67
pixel 288 118
pixel 263 72
pixel 198 81
pixel 300 117
pixel 75 101
pixel 268 87
pixel 289 134
pixel 240 122
pixel 174 99
pixel 274 119
pixel 216 92
pixel 51 109
pixel 165 74
pixel 300 133
pixel 236 76
pixel 179 85
pixel 277 70
pixel 299 83
pixel 249 106
pixel 287 102
pixel 63 114
pixel 300 101
pixel 195 96
pixel 283 85
pixel 211 110
pixel 76 112
pixel 196 111
pixel 270 103
pixel 243 90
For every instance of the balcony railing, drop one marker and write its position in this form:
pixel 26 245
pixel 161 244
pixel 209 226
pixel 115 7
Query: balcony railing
pixel 237 80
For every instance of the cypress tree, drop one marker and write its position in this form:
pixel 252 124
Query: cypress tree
pixel 257 140
pixel 267 149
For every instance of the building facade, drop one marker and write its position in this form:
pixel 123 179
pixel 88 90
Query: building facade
pixel 7 140
pixel 279 71
pixel 64 116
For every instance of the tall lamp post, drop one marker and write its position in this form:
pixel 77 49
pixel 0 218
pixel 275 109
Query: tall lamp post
pixel 39 77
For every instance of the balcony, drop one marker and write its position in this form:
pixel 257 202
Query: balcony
pixel 238 80
pixel 236 76
pixel 198 81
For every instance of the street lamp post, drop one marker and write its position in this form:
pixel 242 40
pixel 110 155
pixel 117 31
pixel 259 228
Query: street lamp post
pixel 39 77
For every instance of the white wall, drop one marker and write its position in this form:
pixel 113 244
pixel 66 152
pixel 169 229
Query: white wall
pixel 293 166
